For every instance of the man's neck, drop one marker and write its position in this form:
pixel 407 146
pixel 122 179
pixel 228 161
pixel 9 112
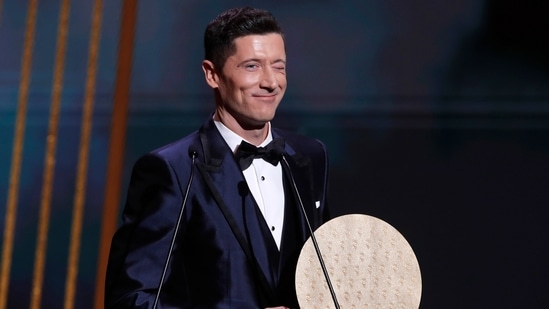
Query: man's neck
pixel 255 136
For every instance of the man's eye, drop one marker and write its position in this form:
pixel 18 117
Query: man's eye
pixel 251 66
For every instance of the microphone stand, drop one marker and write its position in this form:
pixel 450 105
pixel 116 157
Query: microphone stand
pixel 313 238
pixel 168 257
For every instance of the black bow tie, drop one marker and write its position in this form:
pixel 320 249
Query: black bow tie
pixel 272 153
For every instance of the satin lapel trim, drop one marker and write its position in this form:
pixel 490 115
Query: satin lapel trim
pixel 228 187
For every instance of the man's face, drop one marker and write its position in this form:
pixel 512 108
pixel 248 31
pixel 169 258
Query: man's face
pixel 253 80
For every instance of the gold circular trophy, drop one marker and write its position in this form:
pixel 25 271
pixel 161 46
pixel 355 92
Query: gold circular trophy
pixel 368 262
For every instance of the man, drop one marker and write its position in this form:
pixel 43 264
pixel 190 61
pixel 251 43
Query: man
pixel 242 226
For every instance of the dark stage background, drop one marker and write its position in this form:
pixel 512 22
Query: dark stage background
pixel 435 115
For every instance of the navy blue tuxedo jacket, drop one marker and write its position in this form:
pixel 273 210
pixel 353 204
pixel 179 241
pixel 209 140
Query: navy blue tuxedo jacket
pixel 211 267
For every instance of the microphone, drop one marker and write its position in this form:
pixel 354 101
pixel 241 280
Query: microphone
pixel 192 154
pixel 313 238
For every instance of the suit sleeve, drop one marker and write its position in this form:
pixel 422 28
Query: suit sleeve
pixel 140 246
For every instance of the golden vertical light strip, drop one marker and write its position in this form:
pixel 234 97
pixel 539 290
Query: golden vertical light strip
pixel 17 152
pixel 49 161
pixel 117 144
pixel 81 176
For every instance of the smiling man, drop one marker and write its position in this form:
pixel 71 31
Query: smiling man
pixel 229 235
pixel 250 85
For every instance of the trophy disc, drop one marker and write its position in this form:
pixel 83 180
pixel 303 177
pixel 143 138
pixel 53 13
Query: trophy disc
pixel 369 263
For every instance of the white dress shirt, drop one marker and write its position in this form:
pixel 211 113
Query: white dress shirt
pixel 264 181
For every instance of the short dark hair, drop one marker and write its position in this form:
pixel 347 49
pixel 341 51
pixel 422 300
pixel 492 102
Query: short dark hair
pixel 238 22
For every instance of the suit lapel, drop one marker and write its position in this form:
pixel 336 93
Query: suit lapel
pixel 301 170
pixel 295 231
pixel 228 186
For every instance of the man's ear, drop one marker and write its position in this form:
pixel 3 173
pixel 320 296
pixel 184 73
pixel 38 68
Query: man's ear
pixel 210 73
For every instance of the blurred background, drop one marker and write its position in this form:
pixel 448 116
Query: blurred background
pixel 435 115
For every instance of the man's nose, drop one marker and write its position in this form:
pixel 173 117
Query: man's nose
pixel 269 79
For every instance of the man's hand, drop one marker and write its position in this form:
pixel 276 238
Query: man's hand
pixel 280 307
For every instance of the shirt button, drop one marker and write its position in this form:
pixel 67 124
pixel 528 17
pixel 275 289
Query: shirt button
pixel 272 228
pixel 262 178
